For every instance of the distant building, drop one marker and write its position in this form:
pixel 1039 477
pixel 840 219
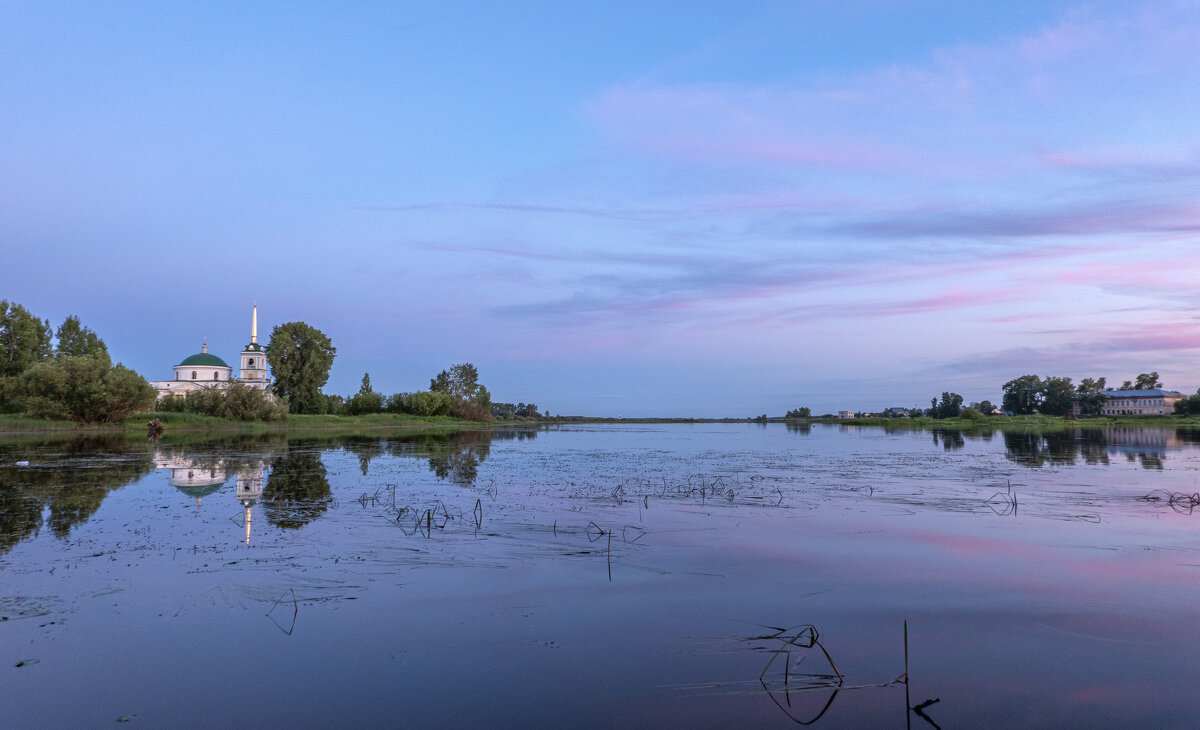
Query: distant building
pixel 896 412
pixel 206 370
pixel 845 414
pixel 1153 402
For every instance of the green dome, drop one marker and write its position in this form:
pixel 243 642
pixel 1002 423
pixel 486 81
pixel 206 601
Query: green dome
pixel 204 359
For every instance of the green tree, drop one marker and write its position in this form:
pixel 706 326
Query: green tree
pixel 1057 394
pixel 75 340
pixel 1090 394
pixel 461 382
pixel 300 357
pixel 237 401
pixel 84 389
pixel 799 413
pixel 365 400
pixel 1147 381
pixel 949 407
pixel 1023 395
pixel 1189 405
pixel 24 339
pixel 423 403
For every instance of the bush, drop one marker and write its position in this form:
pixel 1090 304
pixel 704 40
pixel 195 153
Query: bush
pixel 471 411
pixel 424 403
pixel 85 389
pixel 238 402
pixel 364 403
pixel 970 414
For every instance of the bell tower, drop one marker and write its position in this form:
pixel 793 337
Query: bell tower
pixel 254 357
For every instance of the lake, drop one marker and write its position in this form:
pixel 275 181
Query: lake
pixel 698 575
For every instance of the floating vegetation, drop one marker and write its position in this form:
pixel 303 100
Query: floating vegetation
pixel 1178 501
pixel 295 611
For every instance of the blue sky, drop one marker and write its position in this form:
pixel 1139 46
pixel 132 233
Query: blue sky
pixel 708 209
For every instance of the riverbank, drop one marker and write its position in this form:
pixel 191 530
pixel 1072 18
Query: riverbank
pixel 190 422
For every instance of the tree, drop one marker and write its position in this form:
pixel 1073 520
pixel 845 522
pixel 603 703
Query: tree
pixel 24 339
pixel 461 382
pixel 799 413
pixel 1023 395
pixel 366 400
pixel 949 407
pixel 1057 394
pixel 1147 381
pixel 1189 405
pixel 1090 394
pixel 75 340
pixel 85 389
pixel 300 357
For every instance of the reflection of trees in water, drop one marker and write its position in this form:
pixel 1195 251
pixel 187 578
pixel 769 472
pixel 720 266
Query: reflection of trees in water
pixel 455 456
pixel 1145 446
pixel 1036 449
pixel 296 491
pixel 950 440
pixel 72 486
pixel 459 457
pixel 800 428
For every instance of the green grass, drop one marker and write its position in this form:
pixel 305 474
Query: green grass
pixel 10 423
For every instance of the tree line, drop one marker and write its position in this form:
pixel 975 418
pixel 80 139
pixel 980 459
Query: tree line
pixel 455 392
pixel 1029 394
pixel 65 373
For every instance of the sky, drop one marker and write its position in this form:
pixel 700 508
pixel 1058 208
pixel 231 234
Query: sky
pixel 706 209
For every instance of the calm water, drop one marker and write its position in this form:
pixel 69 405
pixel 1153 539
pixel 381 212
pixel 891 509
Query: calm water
pixel 604 576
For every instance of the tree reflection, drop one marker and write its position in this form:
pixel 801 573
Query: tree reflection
pixel 455 456
pixel 71 478
pixel 297 490
pixel 950 440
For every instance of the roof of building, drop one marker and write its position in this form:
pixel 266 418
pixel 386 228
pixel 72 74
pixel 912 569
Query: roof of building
pixel 205 359
pixel 1149 393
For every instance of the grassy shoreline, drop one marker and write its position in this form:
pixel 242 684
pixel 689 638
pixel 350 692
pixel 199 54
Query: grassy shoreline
pixel 189 422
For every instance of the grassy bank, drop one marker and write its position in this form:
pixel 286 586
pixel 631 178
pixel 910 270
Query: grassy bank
pixel 16 424
pixel 1031 421
pixel 175 422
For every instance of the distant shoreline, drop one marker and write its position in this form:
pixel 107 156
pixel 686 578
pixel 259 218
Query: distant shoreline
pixel 177 422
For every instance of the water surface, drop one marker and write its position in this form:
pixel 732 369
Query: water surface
pixel 632 575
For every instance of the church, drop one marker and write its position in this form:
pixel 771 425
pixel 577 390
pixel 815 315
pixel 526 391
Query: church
pixel 206 370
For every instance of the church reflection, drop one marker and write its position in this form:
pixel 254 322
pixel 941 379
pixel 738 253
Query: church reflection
pixel 199 475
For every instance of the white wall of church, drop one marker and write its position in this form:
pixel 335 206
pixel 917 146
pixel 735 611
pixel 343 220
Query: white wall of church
pixel 209 373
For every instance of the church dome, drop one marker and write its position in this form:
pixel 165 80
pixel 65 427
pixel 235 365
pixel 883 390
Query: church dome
pixel 204 359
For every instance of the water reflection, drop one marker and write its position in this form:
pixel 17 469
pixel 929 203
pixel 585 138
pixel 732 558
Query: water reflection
pixel 297 490
pixel 950 440
pixel 69 479
pixel 453 456
pixel 1095 446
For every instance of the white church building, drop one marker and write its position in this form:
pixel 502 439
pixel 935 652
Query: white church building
pixel 206 370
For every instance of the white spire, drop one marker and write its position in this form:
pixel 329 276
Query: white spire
pixel 254 325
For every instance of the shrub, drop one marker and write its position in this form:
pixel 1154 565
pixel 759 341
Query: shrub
pixel 238 402
pixel 471 411
pixel 85 389
pixel 427 403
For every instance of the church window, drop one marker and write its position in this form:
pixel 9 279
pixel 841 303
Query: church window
pixel 251 362
pixel 193 375
pixel 216 376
